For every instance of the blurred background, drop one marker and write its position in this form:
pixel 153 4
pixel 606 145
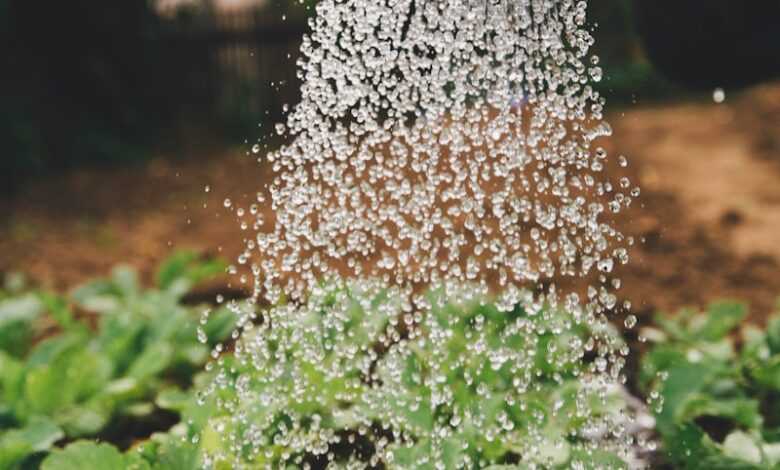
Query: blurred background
pixel 125 124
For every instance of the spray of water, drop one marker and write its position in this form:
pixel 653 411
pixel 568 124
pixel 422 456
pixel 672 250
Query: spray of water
pixel 444 153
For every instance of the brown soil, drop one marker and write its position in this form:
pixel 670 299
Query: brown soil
pixel 709 211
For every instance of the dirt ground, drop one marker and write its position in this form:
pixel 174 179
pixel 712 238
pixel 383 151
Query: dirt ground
pixel 709 215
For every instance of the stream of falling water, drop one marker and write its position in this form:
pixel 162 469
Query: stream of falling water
pixel 441 248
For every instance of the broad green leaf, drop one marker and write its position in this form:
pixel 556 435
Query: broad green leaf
pixel 87 373
pixel 25 308
pixel 13 452
pixel 766 372
pixel 58 308
pixel 37 436
pixel 675 326
pixel 126 280
pixel 99 296
pixel 40 432
pixel 773 334
pixel 16 323
pixel 121 339
pixel 175 267
pixel 138 410
pixel 12 379
pixel 194 354
pixel 742 446
pixel 185 403
pixel 721 319
pixel 595 460
pixel 548 451
pixel 417 456
pixel 153 360
pixel 771 452
pixel 452 453
pixel 683 381
pixel 87 455
pixel 220 324
pixel 42 390
pixel 185 269
pixel 73 376
pixel 743 411
pixel 84 419
pixel 48 350
pixel 173 399
pixel 174 454
pixel 123 389
pixel 688 445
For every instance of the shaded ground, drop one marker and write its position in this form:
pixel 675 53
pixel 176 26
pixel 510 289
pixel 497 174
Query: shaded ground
pixel 710 215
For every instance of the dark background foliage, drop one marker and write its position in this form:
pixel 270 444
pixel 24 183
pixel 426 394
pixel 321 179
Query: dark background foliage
pixel 90 82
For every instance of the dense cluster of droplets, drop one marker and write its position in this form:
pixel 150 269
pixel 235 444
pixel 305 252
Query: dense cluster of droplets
pixel 447 147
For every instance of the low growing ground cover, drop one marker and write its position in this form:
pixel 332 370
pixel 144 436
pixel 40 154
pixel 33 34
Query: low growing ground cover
pixel 111 377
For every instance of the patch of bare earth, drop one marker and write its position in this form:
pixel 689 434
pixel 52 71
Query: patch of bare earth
pixel 709 215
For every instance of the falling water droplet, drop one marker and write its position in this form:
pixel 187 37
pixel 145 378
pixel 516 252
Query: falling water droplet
pixel 719 95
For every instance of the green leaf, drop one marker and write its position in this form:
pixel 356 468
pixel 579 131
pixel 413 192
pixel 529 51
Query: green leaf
pixel 42 390
pixel 154 359
pixel 185 403
pixel 58 308
pixel 773 334
pixel 175 267
pixel 73 376
pixel 742 410
pixel 123 389
pixel 766 372
pixel 590 459
pixel 194 354
pixel 675 326
pixel 25 308
pixel 86 455
pixel 16 318
pixel 772 452
pixel 417 456
pixel 742 446
pixel 689 445
pixel 48 350
pixel 84 420
pixel 13 452
pixel 121 339
pixel 186 269
pixel 721 319
pixel 38 435
pixel 683 381
pixel 99 296
pixel 173 454
pixel 220 324
pixel 12 378
pixel 126 280
pixel 173 399
pixel 40 432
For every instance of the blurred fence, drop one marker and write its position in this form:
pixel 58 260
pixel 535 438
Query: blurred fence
pixel 249 57
pixel 95 82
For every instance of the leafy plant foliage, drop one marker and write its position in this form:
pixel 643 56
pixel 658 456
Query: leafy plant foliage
pixel 69 375
pixel 73 367
pixel 715 384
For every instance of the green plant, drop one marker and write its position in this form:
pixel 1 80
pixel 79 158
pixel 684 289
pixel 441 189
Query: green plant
pixel 74 383
pixel 715 385
pixel 346 376
pixel 240 414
